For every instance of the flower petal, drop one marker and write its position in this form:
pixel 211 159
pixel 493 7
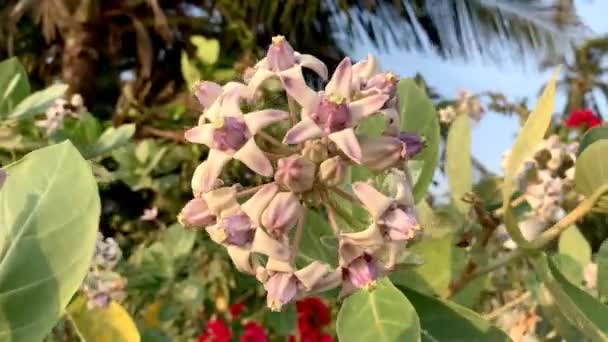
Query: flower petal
pixel 313 63
pixel 202 134
pixel 366 68
pixel 373 200
pixel 304 130
pixel 234 92
pixel 254 207
pixel 262 118
pixel 207 92
pixel 251 155
pixel 296 87
pixel 310 275
pixel 368 238
pixel 259 77
pixel 241 257
pixel 206 174
pixel 365 107
pixel 222 202
pixel 346 140
pixel 276 265
pixel 265 244
pixel 340 82
pixel 330 281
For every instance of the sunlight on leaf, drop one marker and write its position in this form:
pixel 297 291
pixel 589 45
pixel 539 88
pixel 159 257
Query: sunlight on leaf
pixel 458 161
pixel 111 324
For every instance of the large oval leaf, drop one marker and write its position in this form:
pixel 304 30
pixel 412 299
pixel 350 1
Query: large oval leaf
pixel 38 102
pixel 447 321
pixel 418 115
pixel 380 315
pixel 531 134
pixel 593 135
pixel 602 270
pixel 49 217
pixel 591 171
pixel 586 313
pixel 111 324
pixel 458 161
pixel 573 243
pixel 113 137
pixel 14 86
pixel 318 242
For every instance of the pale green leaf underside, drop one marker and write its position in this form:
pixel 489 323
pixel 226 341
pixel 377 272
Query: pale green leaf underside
pixel 458 161
pixel 381 315
pixel 49 214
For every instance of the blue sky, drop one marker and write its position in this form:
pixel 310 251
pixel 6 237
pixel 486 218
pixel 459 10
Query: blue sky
pixel 495 134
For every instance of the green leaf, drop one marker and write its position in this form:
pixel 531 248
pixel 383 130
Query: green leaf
pixel 569 267
pixel 438 254
pixel 283 322
pixel 602 270
pixel 458 161
pixel 591 170
pixel 190 72
pixel 14 86
pixel 49 219
pixel 207 50
pixel 582 310
pixel 111 324
pixel 592 135
pixel 574 244
pixel 418 115
pixel 311 246
pixel 110 139
pixel 531 134
pixel 381 314
pixel 442 320
pixel 38 102
pixel 179 241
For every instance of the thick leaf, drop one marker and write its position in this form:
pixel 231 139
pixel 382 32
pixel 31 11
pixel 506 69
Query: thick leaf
pixel 446 321
pixel 283 322
pixel 49 217
pixel 111 324
pixel 569 267
pixel 207 50
pixel 190 72
pixel 592 135
pixel 602 270
pixel 110 139
pixel 531 134
pixel 458 161
pixel 178 240
pixel 382 314
pixel 418 115
pixel 574 244
pixel 582 310
pixel 14 86
pixel 38 102
pixel 591 171
pixel 313 246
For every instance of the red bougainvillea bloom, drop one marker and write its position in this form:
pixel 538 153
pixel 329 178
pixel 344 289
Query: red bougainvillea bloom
pixel 583 117
pixel 254 333
pixel 313 315
pixel 217 331
pixel 236 309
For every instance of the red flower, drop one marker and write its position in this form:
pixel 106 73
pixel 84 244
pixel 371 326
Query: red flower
pixel 217 331
pixel 236 309
pixel 313 315
pixel 254 333
pixel 583 117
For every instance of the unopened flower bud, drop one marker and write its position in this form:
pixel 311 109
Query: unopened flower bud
pixel 362 272
pixel 282 287
pixel 296 173
pixel 333 171
pixel 315 151
pixel 282 213
pixel 196 214
pixel 413 143
pixel 380 153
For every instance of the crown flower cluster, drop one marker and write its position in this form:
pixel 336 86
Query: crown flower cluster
pixel 305 169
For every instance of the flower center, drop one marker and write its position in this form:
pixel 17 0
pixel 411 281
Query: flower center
pixel 239 229
pixel 230 134
pixel 332 114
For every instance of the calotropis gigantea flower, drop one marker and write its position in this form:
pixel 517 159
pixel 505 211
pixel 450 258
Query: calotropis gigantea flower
pixel 333 112
pixel 281 57
pixel 360 267
pixel 397 220
pixel 231 135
